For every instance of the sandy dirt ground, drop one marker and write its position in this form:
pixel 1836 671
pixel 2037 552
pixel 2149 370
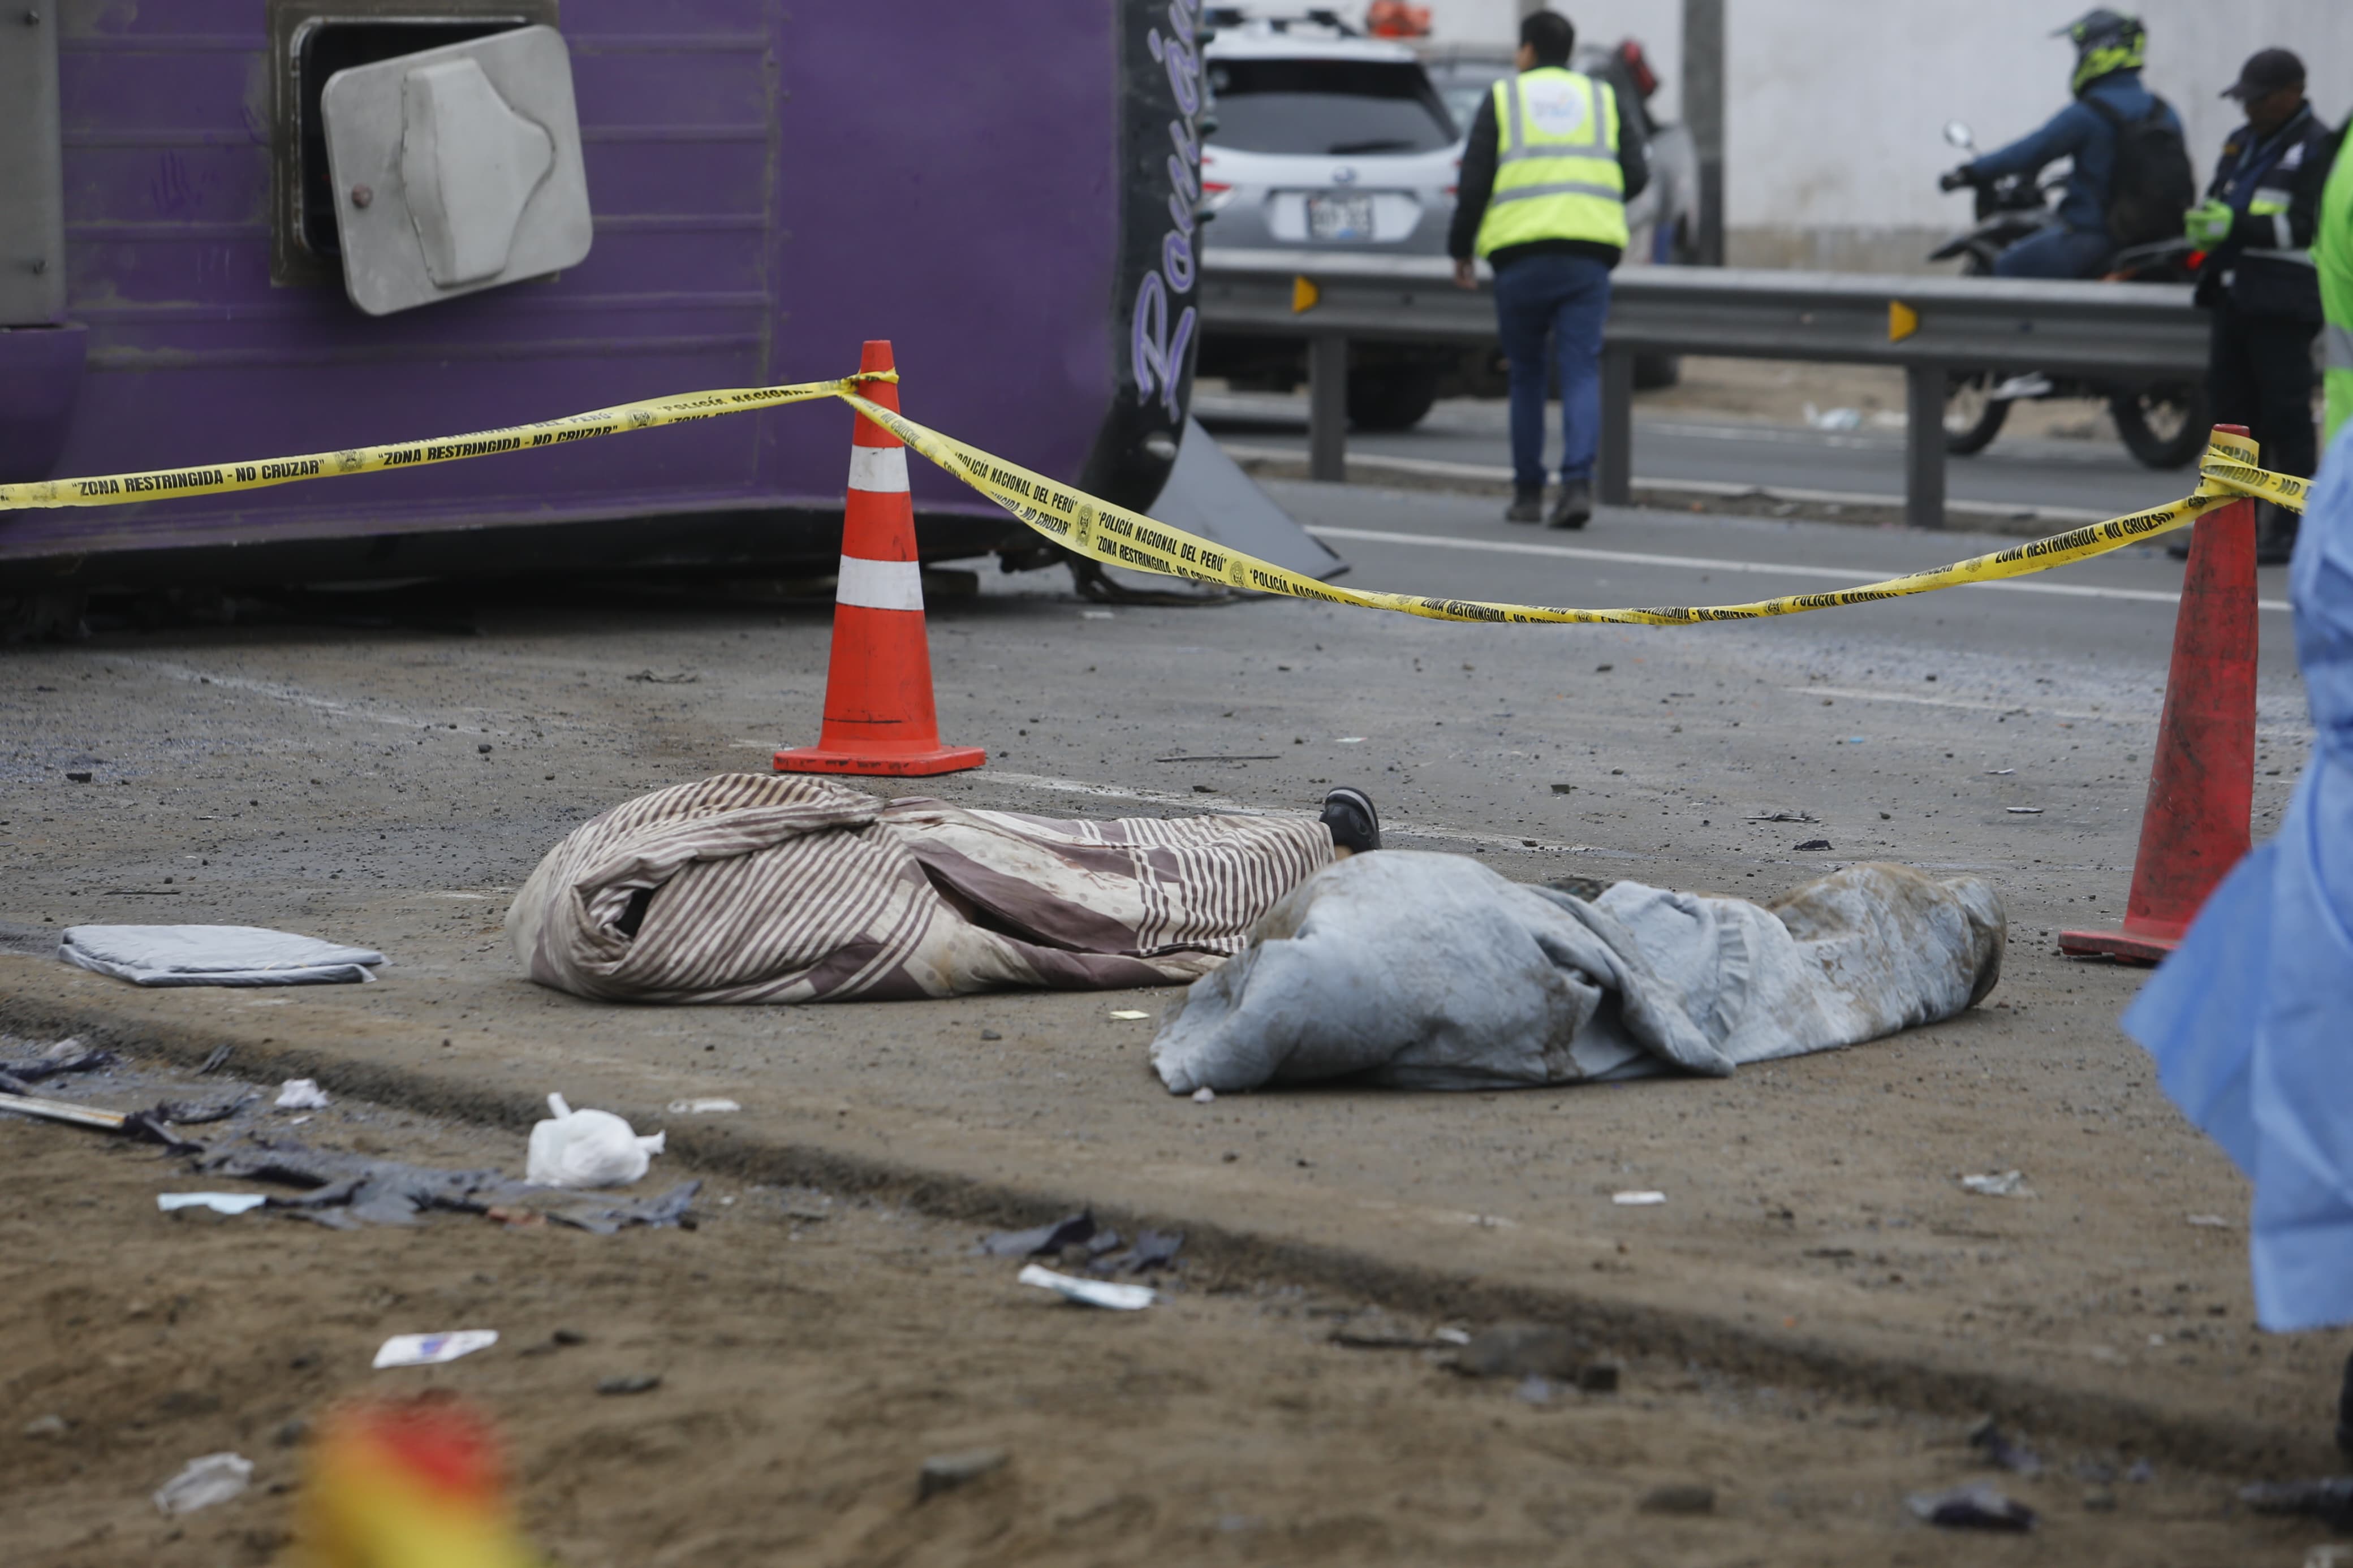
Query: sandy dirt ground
pixel 814 1348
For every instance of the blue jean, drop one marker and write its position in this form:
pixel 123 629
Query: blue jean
pixel 1567 298
pixel 2057 251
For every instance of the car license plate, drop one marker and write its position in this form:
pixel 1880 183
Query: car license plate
pixel 1339 217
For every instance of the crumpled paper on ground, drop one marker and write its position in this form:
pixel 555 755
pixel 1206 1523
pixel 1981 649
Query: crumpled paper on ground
pixel 1425 970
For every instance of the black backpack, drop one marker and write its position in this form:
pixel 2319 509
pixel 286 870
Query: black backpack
pixel 2150 184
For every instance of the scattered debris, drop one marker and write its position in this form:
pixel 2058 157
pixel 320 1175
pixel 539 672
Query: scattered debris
pixel 44 1426
pixel 219 1203
pixel 1989 1440
pixel 214 1478
pixel 1597 1378
pixel 1534 1390
pixel 684 678
pixel 1977 1506
pixel 1999 772
pixel 215 955
pixel 350 1190
pixel 2329 1499
pixel 1564 789
pixel 991 1035
pixel 1451 1336
pixel 1153 1249
pixel 1130 1013
pixel 1998 1185
pixel 188 1113
pixel 1039 1241
pixel 1815 844
pixel 1521 1350
pixel 1637 1200
pixel 212 1063
pixel 586 1149
pixel 1833 418
pixel 1375 1329
pixel 78 778
pixel 432 1350
pixel 1090 1292
pixel 2211 1222
pixel 709 1106
pixel 1784 815
pixel 945 1472
pixel 2024 810
pixel 301 1094
pixel 1679 1498
pixel 68 1055
pixel 631 1383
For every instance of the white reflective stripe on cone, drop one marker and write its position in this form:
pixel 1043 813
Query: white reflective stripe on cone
pixel 879 585
pixel 881 469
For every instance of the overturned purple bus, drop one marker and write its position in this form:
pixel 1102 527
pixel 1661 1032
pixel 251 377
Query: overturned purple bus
pixel 233 229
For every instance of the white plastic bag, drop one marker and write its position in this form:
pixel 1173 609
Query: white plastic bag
pixel 586 1149
pixel 215 1477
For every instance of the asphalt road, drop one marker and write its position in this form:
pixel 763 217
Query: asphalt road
pixel 2090 477
pixel 393 786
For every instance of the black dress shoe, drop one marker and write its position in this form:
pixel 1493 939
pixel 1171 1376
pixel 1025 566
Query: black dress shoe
pixel 1355 825
pixel 1575 505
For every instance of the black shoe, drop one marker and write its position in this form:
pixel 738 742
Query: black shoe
pixel 1527 506
pixel 1575 505
pixel 1355 825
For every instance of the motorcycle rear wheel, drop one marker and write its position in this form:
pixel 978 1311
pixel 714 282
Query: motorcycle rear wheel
pixel 1972 418
pixel 2163 427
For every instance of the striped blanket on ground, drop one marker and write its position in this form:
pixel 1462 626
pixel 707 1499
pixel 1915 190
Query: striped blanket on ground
pixel 759 888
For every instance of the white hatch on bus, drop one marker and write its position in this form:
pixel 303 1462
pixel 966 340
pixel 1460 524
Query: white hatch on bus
pixel 456 169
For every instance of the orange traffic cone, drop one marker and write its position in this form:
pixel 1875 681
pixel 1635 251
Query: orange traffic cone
pixel 879 717
pixel 2201 781
pixel 409 1484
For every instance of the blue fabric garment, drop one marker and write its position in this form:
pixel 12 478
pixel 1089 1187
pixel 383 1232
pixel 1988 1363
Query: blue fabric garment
pixel 2251 1021
pixel 2057 251
pixel 2077 133
pixel 1564 299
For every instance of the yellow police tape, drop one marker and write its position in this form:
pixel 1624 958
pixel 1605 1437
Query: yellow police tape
pixel 216 479
pixel 1118 537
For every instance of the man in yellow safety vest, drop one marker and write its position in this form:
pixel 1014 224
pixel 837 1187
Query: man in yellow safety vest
pixel 2332 251
pixel 1546 174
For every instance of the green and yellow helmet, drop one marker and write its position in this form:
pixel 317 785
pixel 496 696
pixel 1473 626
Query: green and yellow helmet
pixel 2104 41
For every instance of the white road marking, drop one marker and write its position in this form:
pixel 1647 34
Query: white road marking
pixel 1718 564
pixel 1489 473
pixel 1861 694
pixel 398 718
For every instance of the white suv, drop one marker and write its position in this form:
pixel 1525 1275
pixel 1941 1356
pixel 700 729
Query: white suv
pixel 1323 138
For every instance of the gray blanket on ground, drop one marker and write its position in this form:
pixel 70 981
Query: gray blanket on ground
pixel 1432 972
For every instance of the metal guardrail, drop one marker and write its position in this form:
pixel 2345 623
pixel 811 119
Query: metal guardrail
pixel 1927 326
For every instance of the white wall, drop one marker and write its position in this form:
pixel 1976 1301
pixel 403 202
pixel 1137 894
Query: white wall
pixel 1836 108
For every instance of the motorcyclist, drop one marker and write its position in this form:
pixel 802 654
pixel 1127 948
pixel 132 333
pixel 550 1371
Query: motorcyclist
pixel 2109 50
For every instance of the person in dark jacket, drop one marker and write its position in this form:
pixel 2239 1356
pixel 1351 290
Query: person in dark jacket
pixel 2258 278
pixel 1543 198
pixel 2109 51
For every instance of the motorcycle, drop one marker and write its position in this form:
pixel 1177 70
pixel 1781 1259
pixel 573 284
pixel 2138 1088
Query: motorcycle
pixel 2163 427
